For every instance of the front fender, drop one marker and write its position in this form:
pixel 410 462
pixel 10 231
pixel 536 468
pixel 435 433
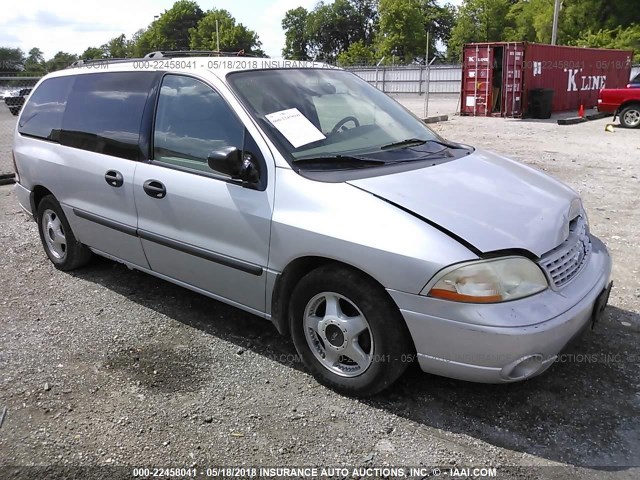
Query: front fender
pixel 340 222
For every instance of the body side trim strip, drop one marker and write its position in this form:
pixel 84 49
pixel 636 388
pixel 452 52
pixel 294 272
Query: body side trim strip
pixel 202 253
pixel 175 244
pixel 105 222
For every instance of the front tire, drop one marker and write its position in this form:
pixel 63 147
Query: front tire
pixel 348 332
pixel 630 116
pixel 58 241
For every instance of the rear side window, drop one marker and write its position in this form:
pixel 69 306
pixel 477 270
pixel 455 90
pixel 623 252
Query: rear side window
pixel 104 113
pixel 42 116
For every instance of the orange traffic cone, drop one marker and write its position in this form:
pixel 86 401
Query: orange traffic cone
pixel 581 111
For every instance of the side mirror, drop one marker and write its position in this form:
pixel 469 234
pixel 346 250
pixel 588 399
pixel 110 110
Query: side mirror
pixel 227 160
pixel 238 165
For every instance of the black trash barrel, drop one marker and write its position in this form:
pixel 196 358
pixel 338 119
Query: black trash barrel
pixel 540 102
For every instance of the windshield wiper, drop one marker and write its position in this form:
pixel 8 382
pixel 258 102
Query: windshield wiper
pixel 404 143
pixel 340 160
pixel 414 142
pixel 455 146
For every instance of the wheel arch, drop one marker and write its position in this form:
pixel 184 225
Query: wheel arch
pixel 626 104
pixel 287 280
pixel 37 194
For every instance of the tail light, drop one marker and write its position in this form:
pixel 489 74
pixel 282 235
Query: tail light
pixel 15 167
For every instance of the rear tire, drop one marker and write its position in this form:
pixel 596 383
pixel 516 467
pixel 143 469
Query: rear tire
pixel 58 241
pixel 348 332
pixel 630 116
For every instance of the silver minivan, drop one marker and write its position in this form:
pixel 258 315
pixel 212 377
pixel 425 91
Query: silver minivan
pixel 300 193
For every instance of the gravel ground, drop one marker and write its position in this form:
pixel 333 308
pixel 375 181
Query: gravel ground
pixel 106 366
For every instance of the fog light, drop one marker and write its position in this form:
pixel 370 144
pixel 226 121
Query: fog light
pixel 522 368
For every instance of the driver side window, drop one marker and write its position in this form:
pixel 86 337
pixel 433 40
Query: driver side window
pixel 192 120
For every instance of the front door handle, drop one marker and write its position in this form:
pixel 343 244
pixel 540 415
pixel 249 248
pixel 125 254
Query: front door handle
pixel 114 178
pixel 154 189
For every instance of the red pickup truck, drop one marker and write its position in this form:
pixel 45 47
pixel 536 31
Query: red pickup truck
pixel 623 102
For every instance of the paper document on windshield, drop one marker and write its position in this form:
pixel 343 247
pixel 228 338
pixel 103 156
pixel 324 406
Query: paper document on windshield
pixel 295 127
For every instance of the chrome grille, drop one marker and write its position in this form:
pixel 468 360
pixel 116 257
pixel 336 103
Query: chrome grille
pixel 564 262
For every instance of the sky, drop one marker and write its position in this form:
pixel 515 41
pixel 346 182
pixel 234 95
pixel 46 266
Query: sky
pixel 72 26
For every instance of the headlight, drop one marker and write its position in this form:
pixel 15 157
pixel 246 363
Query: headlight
pixel 488 281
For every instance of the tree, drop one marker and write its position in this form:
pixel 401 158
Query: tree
pixel 578 17
pixel 620 38
pixel 134 47
pixel 233 37
pixel 522 18
pixel 60 61
pixel 92 53
pixel 174 24
pixel 601 23
pixel 327 30
pixel 404 25
pixel 357 54
pixel 330 28
pixel 531 20
pixel 171 30
pixel 438 21
pixel 11 59
pixel 296 41
pixel 144 41
pixel 347 29
pixel 364 20
pixel 116 47
pixel 402 29
pixel 35 64
pixel 479 21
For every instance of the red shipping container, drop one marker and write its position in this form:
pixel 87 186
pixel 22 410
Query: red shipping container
pixel 497 78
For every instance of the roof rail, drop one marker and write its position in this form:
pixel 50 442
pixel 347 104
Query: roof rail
pixel 82 62
pixel 201 53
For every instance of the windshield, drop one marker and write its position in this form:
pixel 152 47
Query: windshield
pixel 328 114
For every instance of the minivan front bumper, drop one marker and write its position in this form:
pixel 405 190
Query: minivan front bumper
pixel 504 342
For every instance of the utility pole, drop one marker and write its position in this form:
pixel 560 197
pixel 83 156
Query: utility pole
pixel 217 37
pixel 155 31
pixel 556 13
pixel 426 67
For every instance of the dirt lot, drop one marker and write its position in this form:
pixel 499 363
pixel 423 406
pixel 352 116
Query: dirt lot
pixel 111 367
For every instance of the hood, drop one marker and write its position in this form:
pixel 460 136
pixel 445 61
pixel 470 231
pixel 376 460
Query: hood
pixel 490 201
